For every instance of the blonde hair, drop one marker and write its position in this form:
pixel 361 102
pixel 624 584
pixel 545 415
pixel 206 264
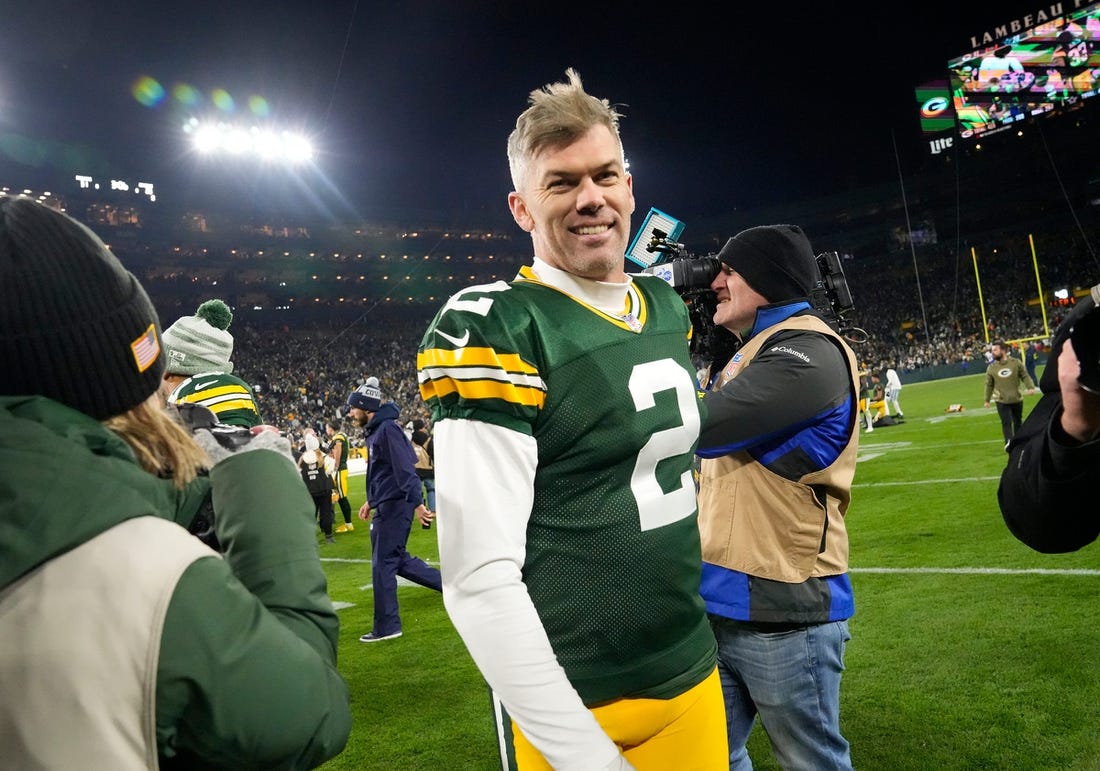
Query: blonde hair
pixel 162 446
pixel 559 114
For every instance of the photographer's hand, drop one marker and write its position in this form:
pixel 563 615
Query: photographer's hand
pixel 222 442
pixel 1080 409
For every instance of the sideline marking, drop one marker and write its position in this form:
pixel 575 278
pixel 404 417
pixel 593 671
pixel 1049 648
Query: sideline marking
pixel 914 446
pixel 400 582
pixel 885 445
pixel 962 414
pixel 358 561
pixel 366 587
pixel 986 571
pixel 927 482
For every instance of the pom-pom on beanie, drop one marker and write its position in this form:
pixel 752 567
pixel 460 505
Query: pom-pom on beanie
pixel 367 396
pixel 75 325
pixel 200 343
pixel 775 260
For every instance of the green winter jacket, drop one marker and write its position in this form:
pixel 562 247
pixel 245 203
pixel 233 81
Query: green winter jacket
pixel 246 673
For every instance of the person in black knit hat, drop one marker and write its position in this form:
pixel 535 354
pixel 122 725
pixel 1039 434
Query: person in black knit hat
pixel 126 628
pixel 778 449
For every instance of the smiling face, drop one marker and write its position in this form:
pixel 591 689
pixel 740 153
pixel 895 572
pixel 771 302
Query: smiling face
pixel 737 301
pixel 576 203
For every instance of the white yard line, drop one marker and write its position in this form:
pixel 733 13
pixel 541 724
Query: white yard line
pixel 962 571
pixel 893 446
pixel 985 571
pixel 927 481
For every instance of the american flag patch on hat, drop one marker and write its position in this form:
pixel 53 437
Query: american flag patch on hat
pixel 146 348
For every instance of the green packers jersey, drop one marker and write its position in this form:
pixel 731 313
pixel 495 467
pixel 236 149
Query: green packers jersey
pixel 613 558
pixel 227 396
pixel 341 439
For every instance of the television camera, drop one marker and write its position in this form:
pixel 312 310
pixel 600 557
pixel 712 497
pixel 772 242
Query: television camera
pixel 691 276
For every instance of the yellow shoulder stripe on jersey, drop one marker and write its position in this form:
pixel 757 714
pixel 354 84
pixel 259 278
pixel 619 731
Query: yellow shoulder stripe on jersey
pixel 205 397
pixel 437 388
pixel 474 357
pixel 634 315
pixel 206 393
pixel 237 404
pixel 479 373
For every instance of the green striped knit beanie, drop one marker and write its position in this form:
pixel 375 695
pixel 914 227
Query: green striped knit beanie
pixel 200 343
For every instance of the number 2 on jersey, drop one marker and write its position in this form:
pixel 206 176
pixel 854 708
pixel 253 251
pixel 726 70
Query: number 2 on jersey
pixel 656 508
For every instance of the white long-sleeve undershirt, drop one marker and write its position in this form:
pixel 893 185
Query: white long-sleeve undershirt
pixel 485 489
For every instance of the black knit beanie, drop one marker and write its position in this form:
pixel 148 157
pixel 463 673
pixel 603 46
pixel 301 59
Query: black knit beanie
pixel 775 260
pixel 75 325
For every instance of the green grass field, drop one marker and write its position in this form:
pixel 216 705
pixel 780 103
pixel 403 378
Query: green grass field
pixel 968 651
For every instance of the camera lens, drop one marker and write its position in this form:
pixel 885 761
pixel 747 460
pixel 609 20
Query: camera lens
pixel 694 273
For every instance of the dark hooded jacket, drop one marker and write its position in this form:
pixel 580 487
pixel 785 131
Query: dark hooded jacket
pixel 391 460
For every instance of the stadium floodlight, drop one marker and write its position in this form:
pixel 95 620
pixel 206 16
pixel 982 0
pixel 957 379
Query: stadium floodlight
pixel 267 144
pixel 236 140
pixel 207 138
pixel 264 143
pixel 297 147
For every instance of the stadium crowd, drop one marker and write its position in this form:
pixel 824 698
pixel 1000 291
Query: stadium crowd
pixel 303 365
pixel 302 375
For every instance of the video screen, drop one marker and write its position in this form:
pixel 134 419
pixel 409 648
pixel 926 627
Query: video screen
pixel 1048 69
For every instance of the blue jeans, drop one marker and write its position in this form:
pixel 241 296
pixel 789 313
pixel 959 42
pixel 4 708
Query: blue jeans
pixel 792 680
pixel 429 493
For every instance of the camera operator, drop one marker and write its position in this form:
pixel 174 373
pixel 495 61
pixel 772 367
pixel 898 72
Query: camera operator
pixel 125 641
pixel 779 452
pixel 1053 459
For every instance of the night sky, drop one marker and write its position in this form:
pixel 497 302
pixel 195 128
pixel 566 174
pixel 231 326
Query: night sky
pixel 410 103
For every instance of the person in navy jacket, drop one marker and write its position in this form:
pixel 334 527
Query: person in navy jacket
pixel 394 495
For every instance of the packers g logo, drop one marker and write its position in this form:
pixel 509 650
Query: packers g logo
pixel 934 106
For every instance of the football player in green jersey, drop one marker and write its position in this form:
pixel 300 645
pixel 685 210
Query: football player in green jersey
pixel 338 449
pixel 566 416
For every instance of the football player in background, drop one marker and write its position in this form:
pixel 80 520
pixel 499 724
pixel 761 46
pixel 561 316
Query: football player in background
pixel 893 393
pixel 338 451
pixel 565 419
